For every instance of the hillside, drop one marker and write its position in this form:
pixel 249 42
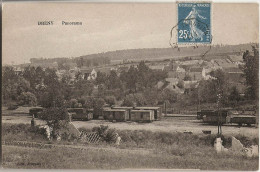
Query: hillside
pixel 216 51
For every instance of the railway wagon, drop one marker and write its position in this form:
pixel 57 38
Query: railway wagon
pixel 241 118
pixel 35 111
pixel 213 117
pixel 116 114
pixel 125 108
pixel 81 113
pixel 203 112
pixel 142 115
pixel 156 110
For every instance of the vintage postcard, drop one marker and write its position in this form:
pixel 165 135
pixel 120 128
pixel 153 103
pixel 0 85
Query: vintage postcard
pixel 130 86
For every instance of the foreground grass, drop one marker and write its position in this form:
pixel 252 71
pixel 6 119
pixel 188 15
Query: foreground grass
pixel 57 158
pixel 139 149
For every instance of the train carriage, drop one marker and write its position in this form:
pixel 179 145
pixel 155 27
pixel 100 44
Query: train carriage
pixel 35 111
pixel 213 117
pixel 81 113
pixel 116 114
pixel 142 115
pixel 157 111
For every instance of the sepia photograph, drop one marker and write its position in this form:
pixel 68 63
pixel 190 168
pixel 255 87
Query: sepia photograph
pixel 130 86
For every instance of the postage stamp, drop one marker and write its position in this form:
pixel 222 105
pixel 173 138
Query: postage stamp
pixel 194 23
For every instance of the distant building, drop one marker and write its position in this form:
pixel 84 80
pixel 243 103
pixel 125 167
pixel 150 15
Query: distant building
pixel 197 73
pixel 171 84
pixel 157 67
pixel 18 71
pixel 189 86
pixel 234 74
pixel 180 73
pixel 89 74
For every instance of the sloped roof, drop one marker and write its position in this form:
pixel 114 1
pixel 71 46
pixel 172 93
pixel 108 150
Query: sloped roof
pixel 157 67
pixel 196 69
pixel 86 70
pixel 233 70
pixel 190 84
pixel 172 80
pixel 236 58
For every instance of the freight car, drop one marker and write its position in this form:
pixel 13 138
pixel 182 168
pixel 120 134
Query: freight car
pixel 203 112
pixel 116 114
pixel 241 117
pixel 213 117
pixel 142 115
pixel 35 111
pixel 125 108
pixel 81 113
pixel 157 111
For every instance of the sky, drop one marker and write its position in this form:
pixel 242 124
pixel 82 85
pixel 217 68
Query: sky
pixel 109 27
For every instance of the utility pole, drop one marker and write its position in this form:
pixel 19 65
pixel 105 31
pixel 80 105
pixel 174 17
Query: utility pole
pixel 219 97
pixel 219 115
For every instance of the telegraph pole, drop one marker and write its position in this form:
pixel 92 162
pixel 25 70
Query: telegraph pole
pixel 219 97
pixel 219 115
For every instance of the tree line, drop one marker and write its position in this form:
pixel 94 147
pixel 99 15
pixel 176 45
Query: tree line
pixel 135 86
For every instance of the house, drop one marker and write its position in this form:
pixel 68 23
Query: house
pixel 197 73
pixel 224 63
pixel 157 67
pixel 235 58
pixel 171 69
pixel 172 66
pixel 105 70
pixel 18 71
pixel 189 86
pixel 234 74
pixel 171 84
pixel 180 72
pixel 89 74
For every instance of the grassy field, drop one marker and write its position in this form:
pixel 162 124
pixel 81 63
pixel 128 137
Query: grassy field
pixel 139 149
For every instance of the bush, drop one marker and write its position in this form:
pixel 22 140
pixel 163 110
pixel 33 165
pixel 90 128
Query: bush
pixel 12 106
pixel 107 134
pixel 128 101
pixel 22 132
pixel 27 98
pixel 73 103
pixel 111 100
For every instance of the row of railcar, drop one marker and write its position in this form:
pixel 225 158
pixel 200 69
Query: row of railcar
pixel 227 117
pixel 137 114
pixel 116 113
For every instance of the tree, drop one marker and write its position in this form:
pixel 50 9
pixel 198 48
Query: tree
pixel 89 103
pixel 130 77
pixel 128 101
pixel 53 117
pixel 14 87
pixel 187 78
pixel 98 107
pixel 111 100
pixel 139 99
pixel 73 103
pixel 180 84
pixel 250 69
pixel 101 78
pixel 168 95
pixel 27 98
pixel 83 88
pixel 113 80
pixel 151 96
pixel 234 95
